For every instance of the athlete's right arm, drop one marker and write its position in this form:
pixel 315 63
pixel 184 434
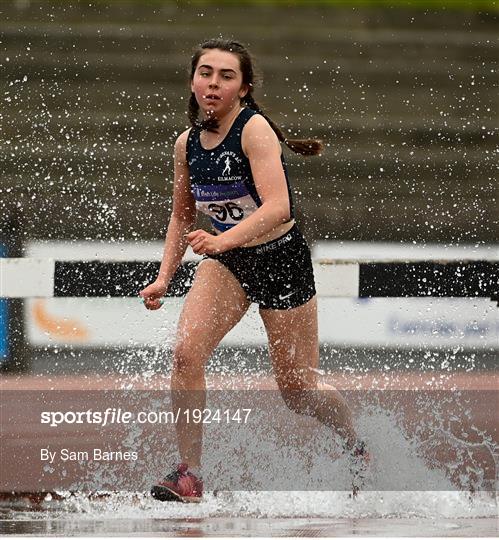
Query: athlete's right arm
pixel 181 222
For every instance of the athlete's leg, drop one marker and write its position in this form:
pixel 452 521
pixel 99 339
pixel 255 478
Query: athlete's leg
pixel 213 305
pixel 294 352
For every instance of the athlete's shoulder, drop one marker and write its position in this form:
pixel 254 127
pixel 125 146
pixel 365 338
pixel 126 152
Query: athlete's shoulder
pixel 256 124
pixel 257 130
pixel 181 144
pixel 182 138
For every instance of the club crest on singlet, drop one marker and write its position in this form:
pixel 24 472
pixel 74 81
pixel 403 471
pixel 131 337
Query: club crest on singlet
pixel 229 159
pixel 221 179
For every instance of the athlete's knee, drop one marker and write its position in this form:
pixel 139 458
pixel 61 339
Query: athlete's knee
pixel 187 362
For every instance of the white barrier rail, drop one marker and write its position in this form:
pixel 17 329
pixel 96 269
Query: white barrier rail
pixel 46 278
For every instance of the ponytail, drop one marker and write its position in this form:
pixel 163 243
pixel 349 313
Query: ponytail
pixel 305 147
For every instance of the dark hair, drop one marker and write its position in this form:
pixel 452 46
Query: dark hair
pixel 306 147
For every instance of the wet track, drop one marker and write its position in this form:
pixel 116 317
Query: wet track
pixel 369 515
pixel 255 527
pixel 268 513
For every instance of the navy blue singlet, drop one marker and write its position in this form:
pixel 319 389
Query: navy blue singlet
pixel 221 179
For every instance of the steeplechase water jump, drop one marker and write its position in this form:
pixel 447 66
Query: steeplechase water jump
pixel 285 386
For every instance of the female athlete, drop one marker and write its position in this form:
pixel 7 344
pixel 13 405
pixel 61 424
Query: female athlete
pixel 229 165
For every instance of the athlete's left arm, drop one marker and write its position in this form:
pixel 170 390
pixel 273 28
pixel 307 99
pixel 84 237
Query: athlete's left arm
pixel 263 149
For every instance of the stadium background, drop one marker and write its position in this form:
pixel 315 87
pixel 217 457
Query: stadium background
pixel 403 94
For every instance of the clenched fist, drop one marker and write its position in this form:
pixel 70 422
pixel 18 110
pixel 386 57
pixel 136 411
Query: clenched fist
pixel 152 295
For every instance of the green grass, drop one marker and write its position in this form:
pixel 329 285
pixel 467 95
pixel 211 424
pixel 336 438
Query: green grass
pixel 415 4
pixel 451 5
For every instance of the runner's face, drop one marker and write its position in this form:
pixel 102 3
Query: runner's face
pixel 218 82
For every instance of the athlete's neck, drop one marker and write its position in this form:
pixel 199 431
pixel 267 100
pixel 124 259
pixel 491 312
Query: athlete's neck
pixel 224 122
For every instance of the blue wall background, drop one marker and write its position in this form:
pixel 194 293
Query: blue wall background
pixel 4 318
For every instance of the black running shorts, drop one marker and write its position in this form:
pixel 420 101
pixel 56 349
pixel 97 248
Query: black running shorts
pixel 277 274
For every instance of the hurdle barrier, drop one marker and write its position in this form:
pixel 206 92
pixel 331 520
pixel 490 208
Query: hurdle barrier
pixel 46 278
pixel 42 277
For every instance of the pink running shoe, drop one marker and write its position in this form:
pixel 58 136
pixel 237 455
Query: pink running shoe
pixel 180 485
